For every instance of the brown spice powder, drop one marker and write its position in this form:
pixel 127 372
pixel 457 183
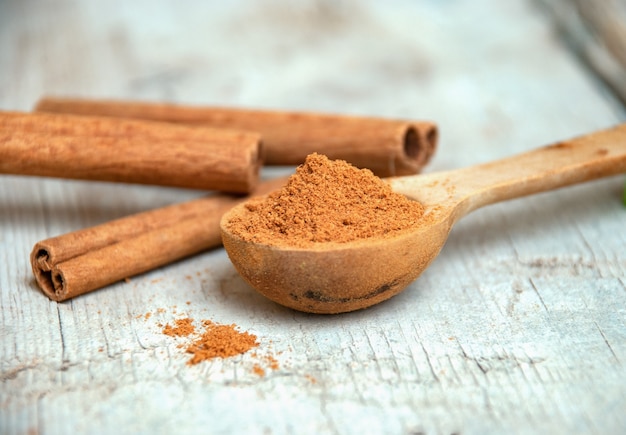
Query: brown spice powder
pixel 258 370
pixel 220 341
pixel 326 201
pixel 183 328
pixel 216 341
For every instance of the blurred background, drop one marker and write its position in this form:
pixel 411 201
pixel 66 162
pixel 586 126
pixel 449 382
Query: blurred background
pixel 465 64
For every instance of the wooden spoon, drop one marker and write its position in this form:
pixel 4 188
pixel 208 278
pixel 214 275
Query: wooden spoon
pixel 340 277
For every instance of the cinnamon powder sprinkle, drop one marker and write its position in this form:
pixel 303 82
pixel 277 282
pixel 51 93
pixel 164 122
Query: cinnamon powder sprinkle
pixel 182 328
pixel 273 362
pixel 258 370
pixel 216 341
pixel 220 341
pixel 326 201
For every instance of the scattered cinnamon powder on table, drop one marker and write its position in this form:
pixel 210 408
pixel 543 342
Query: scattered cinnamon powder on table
pixel 183 328
pixel 216 341
pixel 220 341
pixel 326 201
pixel 258 370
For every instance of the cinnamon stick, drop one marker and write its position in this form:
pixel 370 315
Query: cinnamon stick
pixel 134 151
pixel 81 261
pixel 387 147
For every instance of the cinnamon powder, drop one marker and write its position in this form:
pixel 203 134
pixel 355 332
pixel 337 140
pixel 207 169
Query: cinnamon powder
pixel 182 328
pixel 326 201
pixel 216 341
pixel 220 341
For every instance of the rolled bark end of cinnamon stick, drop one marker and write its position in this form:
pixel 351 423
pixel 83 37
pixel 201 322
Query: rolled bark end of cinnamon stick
pixel 388 147
pixel 419 144
pixel 132 151
pixel 50 282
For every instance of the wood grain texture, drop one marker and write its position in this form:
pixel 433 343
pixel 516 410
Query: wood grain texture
pixel 518 326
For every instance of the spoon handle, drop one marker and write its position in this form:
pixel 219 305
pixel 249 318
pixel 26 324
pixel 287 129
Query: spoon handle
pixel 596 155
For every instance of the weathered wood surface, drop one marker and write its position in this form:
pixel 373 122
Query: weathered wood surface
pixel 519 326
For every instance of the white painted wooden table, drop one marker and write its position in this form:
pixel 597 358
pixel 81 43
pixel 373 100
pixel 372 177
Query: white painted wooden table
pixel 518 327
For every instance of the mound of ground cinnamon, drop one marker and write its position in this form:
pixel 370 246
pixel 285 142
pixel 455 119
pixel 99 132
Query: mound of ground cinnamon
pixel 326 201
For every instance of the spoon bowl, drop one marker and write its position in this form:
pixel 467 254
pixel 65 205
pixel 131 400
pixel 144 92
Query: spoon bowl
pixel 339 277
